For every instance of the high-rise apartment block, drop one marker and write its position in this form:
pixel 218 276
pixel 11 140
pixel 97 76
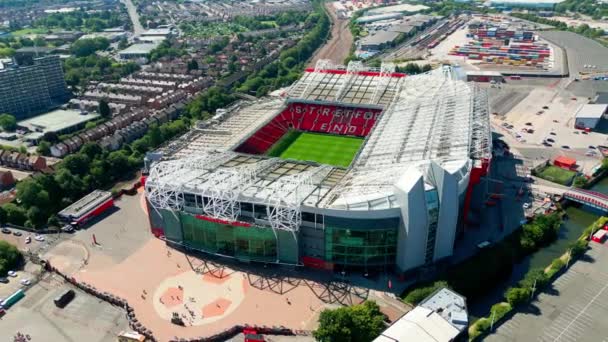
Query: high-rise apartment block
pixel 30 89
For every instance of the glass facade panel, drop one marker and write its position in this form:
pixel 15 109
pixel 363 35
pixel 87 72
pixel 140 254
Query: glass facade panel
pixel 358 246
pixel 432 205
pixel 249 243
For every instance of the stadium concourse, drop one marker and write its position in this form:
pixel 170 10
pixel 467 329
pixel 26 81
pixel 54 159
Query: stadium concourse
pixel 396 205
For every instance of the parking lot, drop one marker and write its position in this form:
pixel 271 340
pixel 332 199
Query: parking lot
pixel 544 114
pixel 574 309
pixel 85 318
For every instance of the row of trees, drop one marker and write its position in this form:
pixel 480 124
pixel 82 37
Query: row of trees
pixel 206 103
pixel 493 265
pixel 87 47
pixel 288 68
pixel 79 71
pixel 40 197
pixel 583 30
pixel 82 20
pixel 596 9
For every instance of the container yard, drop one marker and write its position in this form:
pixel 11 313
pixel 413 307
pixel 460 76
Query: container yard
pixel 499 44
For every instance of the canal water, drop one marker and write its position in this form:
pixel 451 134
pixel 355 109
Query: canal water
pixel 578 218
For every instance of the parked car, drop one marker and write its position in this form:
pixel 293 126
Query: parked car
pixel 17 233
pixel 25 282
pixel 528 124
pixel 12 274
pixel 4 280
pixel 565 147
pixel 39 238
pixel 526 205
pixel 592 147
pixel 550 140
pixel 67 228
pixel 28 239
pixel 6 230
pixel 552 133
pixel 545 107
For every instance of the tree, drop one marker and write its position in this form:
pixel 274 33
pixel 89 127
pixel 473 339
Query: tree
pixel 36 217
pixel 14 214
pixel 192 65
pixel 104 108
pixel 517 296
pixel 8 122
pixel 77 163
pixel 44 148
pixel 10 257
pixel 580 182
pixel 358 323
pixel 87 47
pixel 30 193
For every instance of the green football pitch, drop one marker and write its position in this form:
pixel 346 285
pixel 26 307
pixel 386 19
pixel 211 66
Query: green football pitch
pixel 322 148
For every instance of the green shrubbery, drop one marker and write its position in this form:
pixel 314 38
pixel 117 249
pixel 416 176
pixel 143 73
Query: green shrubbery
pixel 10 257
pixel 421 292
pixel 357 323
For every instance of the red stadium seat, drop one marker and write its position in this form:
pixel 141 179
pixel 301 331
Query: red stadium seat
pixel 311 118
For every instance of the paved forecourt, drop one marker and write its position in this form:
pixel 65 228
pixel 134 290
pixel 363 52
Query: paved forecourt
pixel 575 309
pixel 324 148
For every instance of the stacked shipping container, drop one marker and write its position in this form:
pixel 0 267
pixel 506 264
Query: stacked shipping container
pixel 499 45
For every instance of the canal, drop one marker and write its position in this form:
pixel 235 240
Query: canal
pixel 578 218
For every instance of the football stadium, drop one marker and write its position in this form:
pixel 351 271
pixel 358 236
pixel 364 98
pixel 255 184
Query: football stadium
pixel 350 168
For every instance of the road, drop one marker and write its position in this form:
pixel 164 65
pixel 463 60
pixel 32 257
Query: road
pixel 132 10
pixel 338 47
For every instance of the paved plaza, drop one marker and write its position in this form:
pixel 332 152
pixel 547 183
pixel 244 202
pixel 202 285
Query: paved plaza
pixel 574 309
pixel 209 294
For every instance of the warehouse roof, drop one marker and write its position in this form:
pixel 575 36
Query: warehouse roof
pixel 138 49
pixel 594 111
pixel 56 120
pixel 397 8
pixel 379 38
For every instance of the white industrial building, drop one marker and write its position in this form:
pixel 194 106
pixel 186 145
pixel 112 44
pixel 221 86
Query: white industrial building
pixel 589 115
pixel 442 317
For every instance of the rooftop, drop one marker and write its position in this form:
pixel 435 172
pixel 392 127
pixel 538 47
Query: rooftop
pixel 397 8
pixel 138 49
pixel 440 318
pixel 56 120
pixel 85 204
pixel 380 37
pixel 594 111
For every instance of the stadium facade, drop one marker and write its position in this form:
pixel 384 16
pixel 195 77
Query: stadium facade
pixel 397 206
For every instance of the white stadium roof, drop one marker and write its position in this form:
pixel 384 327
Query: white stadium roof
pixel 431 118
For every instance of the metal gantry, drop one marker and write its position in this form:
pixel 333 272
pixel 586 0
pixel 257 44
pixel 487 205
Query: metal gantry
pixel 384 80
pixel 286 196
pixel 353 69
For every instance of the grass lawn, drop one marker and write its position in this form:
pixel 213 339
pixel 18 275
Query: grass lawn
pixel 271 22
pixel 27 31
pixel 556 174
pixel 322 148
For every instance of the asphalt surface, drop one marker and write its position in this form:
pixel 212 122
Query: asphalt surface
pixel 85 318
pixel 574 309
pixel 580 50
pixel 132 10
